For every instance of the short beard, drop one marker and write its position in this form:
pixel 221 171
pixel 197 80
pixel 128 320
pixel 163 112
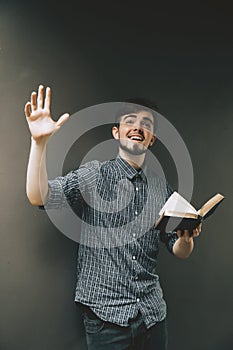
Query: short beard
pixel 135 150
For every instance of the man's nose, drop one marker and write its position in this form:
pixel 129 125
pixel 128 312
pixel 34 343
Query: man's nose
pixel 138 125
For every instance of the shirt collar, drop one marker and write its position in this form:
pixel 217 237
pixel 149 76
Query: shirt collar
pixel 129 170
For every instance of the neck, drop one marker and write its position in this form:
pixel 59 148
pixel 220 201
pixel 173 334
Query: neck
pixel 135 161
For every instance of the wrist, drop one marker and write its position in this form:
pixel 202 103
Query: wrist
pixel 41 142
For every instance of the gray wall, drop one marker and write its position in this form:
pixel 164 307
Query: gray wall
pixel 179 55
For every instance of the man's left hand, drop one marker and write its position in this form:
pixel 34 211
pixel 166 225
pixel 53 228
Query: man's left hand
pixel 187 235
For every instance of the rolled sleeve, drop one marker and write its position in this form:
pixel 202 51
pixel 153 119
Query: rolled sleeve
pixel 69 189
pixel 56 198
pixel 169 239
pixel 172 238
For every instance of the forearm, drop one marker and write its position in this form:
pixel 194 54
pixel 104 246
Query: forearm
pixel 37 178
pixel 183 248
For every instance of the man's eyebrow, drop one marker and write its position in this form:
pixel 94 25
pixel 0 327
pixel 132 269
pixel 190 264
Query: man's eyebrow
pixel 134 116
pixel 129 116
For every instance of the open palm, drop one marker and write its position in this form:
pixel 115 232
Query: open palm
pixel 38 116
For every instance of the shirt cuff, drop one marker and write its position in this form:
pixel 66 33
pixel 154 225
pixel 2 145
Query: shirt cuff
pixel 56 196
pixel 169 238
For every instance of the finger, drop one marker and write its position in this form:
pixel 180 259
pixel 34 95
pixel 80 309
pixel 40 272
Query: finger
pixel 47 98
pixel 186 233
pixel 40 96
pixel 196 232
pixel 27 109
pixel 62 119
pixel 179 233
pixel 33 101
pixel 187 236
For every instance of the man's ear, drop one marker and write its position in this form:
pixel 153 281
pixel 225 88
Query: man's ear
pixel 153 139
pixel 115 132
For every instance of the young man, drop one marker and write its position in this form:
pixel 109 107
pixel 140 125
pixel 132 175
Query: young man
pixel 117 289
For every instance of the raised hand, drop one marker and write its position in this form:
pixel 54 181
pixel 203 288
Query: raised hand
pixel 38 116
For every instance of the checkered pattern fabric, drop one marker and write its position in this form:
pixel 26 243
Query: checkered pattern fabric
pixel 117 255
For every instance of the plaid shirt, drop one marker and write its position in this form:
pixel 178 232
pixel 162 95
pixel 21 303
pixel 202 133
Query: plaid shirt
pixel 117 256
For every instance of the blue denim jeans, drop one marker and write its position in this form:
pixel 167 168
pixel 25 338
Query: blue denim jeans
pixel 101 335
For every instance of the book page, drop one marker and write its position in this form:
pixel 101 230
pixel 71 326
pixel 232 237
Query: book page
pixel 177 203
pixel 211 203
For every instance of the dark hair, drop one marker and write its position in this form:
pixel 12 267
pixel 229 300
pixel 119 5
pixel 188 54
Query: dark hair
pixel 136 104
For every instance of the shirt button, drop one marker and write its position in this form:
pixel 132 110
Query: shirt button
pixel 134 234
pixel 136 278
pixel 136 188
pixel 136 213
pixel 133 257
pixel 138 300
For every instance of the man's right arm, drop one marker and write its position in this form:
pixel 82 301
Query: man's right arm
pixel 37 178
pixel 42 127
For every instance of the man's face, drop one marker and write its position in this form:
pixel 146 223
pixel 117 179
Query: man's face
pixel 135 132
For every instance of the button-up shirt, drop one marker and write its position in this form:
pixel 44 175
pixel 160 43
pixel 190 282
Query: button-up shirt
pixel 119 245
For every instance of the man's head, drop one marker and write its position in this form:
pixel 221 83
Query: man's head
pixel 137 104
pixel 135 127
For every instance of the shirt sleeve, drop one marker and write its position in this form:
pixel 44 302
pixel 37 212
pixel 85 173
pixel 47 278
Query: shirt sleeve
pixel 69 190
pixel 169 238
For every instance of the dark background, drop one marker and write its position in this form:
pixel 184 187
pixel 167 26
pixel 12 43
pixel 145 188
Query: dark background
pixel 178 54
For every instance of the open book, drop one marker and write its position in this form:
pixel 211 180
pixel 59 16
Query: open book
pixel 178 213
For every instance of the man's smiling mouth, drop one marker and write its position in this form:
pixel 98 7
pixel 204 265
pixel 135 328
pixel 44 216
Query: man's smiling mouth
pixel 136 137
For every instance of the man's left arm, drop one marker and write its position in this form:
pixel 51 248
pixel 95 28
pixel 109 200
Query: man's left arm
pixel 184 245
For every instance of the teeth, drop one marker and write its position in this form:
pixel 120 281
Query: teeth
pixel 136 138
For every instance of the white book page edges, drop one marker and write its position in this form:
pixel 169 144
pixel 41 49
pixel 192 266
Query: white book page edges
pixel 178 203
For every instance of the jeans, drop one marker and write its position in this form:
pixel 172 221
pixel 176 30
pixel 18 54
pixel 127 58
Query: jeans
pixel 101 335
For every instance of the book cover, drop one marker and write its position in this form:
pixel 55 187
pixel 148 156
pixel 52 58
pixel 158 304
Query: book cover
pixel 178 214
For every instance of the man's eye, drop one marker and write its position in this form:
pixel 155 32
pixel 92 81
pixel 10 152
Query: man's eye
pixel 129 121
pixel 147 125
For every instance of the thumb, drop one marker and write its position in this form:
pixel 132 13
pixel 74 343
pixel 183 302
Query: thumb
pixel 62 119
